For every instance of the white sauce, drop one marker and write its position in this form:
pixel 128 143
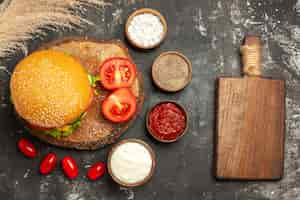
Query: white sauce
pixel 146 29
pixel 131 162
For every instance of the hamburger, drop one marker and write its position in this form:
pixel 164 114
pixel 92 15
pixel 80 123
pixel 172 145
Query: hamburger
pixel 56 91
pixel 50 91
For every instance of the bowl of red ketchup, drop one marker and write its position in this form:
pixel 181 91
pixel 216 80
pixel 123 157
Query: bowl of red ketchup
pixel 167 121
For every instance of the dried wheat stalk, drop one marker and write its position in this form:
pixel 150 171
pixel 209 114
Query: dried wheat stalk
pixel 23 19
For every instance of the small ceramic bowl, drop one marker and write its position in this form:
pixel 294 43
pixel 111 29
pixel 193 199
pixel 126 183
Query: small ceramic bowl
pixel 146 179
pixel 164 140
pixel 142 11
pixel 171 71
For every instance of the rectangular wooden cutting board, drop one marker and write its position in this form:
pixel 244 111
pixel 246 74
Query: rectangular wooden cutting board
pixel 250 123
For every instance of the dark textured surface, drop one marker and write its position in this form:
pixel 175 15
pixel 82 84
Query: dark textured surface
pixel 209 33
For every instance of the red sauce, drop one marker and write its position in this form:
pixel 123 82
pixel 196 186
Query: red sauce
pixel 167 121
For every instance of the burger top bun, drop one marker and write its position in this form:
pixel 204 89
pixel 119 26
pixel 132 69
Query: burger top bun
pixel 50 89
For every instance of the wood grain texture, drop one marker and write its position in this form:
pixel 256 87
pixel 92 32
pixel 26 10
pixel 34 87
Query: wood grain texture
pixel 250 128
pixel 95 131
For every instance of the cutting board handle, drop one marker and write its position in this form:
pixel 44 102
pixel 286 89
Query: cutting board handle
pixel 251 56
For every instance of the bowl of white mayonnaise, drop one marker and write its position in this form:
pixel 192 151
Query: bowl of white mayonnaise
pixel 131 162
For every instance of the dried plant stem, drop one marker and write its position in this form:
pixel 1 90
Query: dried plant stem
pixel 4 5
pixel 23 19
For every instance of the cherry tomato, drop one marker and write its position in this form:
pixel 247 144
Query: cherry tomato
pixel 119 106
pixel 48 163
pixel 117 72
pixel 27 148
pixel 96 171
pixel 69 167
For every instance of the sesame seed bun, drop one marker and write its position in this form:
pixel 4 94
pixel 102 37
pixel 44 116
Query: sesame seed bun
pixel 50 89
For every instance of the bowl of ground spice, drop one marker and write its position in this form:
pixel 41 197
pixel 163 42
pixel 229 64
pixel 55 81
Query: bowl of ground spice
pixel 167 121
pixel 146 28
pixel 171 71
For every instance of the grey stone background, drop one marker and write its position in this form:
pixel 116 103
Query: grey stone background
pixel 209 33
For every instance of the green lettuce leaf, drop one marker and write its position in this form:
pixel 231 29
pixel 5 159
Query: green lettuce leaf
pixel 68 131
pixel 93 79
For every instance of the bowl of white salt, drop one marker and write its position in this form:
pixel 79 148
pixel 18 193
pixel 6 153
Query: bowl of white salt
pixel 146 28
pixel 131 163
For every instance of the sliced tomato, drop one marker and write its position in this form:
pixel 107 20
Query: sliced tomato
pixel 119 106
pixel 117 72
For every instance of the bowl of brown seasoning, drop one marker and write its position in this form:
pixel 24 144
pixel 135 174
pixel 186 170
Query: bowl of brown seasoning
pixel 171 71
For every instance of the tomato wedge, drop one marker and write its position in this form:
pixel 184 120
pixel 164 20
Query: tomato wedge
pixel 119 106
pixel 117 72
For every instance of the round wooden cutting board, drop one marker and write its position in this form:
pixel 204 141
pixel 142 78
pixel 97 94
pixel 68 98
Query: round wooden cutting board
pixel 95 131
